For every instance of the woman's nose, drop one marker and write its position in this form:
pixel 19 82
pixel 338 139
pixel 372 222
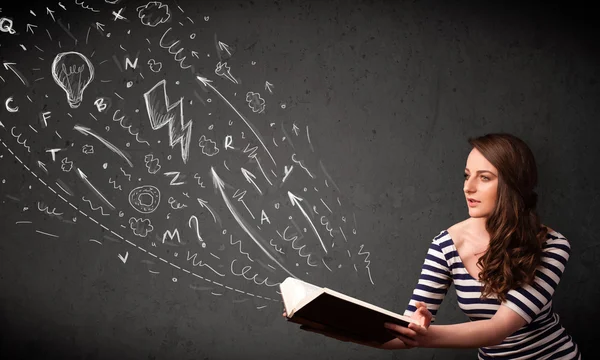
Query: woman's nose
pixel 469 186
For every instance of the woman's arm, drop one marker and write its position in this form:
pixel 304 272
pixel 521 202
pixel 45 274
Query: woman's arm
pixel 471 334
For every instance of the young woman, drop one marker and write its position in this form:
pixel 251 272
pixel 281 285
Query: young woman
pixel 504 264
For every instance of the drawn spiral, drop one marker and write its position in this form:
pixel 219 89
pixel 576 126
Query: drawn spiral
pixel 137 195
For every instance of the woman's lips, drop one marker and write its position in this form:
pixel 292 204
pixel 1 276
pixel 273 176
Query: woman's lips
pixel 473 203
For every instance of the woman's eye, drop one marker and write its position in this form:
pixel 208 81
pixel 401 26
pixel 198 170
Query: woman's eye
pixel 485 178
pixel 466 176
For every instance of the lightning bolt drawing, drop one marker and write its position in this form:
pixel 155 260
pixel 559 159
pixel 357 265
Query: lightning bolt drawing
pixel 161 113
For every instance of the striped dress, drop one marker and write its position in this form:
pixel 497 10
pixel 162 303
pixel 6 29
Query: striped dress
pixel 542 337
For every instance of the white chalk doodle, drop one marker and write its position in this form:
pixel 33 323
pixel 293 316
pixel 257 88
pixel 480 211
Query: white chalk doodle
pixel 124 258
pixel 93 188
pixel 224 47
pixel 250 177
pixel 153 13
pixel 83 6
pixel 114 184
pixel 8 107
pixel 208 84
pixel 199 178
pixel 155 66
pixel 368 262
pixel 201 263
pixel 11 67
pixel 44 208
pixel 87 131
pixel 171 235
pixel 94 208
pixel 66 165
pixel 161 112
pixel 87 149
pixel 295 200
pixel 172 49
pixel 196 228
pixel 269 87
pixel 141 227
pixel 255 101
pixel 137 195
pixel 209 147
pixel 6 26
pixel 262 244
pixel 118 15
pixel 29 28
pixel 121 120
pixel 152 164
pixel 224 70
pixel 175 205
pixel 126 174
pixel 278 300
pixel 18 138
pixel 204 204
pixel 245 270
pixel 73 72
pixel 175 175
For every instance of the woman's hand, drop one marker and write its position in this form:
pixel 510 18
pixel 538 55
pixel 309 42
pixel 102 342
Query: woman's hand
pixel 422 314
pixel 415 335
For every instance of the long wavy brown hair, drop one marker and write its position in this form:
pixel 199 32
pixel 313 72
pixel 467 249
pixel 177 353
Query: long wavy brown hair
pixel 516 234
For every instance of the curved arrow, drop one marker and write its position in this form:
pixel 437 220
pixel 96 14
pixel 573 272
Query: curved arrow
pixel 296 201
pixel 220 185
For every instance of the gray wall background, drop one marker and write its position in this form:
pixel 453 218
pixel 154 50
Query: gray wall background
pixel 390 92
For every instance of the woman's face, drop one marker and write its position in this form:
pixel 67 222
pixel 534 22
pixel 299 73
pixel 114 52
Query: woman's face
pixel 481 185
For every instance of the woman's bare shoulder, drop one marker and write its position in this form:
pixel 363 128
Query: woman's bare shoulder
pixel 457 230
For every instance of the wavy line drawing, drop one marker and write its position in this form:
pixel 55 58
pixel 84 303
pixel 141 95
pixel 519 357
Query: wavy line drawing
pixel 92 207
pixel 366 261
pixel 114 184
pixel 18 137
pixel 128 128
pixel 46 211
pixel 275 247
pixel 232 289
pixel 293 239
pixel 82 4
pixel 126 174
pixel 239 242
pixel 200 263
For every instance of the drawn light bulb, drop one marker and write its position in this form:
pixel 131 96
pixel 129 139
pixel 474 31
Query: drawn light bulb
pixel 73 72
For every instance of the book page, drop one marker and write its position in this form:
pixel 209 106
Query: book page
pixel 294 291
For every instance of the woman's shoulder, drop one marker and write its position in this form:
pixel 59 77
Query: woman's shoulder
pixel 556 240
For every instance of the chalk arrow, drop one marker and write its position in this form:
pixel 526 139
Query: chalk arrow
pixel 99 26
pixel 224 47
pixel 51 13
pixel 30 28
pixel 207 83
pixel 268 86
pixel 295 129
pixel 195 54
pixel 9 66
pixel 250 178
pixel 124 258
pixel 42 166
pixel 89 184
pixel 204 204
pixel 220 186
pixel 296 201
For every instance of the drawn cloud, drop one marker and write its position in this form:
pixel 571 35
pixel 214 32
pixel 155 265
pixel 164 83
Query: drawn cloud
pixel 256 103
pixel 141 227
pixel 66 165
pixel 152 164
pixel 153 13
pixel 208 146
pixel 87 149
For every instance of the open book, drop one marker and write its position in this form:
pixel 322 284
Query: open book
pixel 328 310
